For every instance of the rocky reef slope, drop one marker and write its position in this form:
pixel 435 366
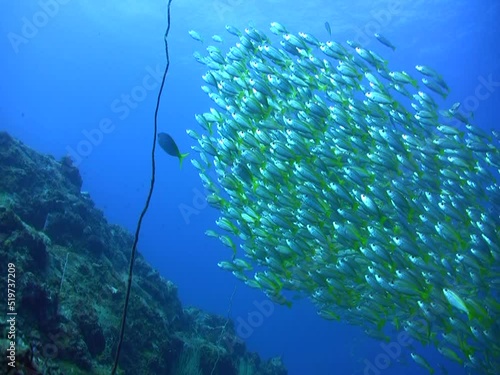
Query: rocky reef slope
pixel 70 273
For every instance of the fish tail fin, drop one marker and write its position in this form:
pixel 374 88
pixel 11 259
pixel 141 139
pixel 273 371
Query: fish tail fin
pixel 181 158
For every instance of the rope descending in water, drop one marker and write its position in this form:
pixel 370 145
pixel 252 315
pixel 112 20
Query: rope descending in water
pixel 148 200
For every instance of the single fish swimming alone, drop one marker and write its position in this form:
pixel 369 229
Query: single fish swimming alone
pixel 195 35
pixel 217 38
pixel 328 28
pixel 168 144
pixel 385 41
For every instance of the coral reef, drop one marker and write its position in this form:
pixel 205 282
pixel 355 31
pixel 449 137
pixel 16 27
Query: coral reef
pixel 71 268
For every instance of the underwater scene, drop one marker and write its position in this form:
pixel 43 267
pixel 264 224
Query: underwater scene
pixel 250 187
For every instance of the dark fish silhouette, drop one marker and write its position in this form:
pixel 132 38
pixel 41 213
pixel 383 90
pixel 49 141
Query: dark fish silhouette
pixel 168 144
pixel 328 28
pixel 385 41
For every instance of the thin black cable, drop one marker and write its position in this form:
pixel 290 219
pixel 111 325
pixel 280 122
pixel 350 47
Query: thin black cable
pixel 148 200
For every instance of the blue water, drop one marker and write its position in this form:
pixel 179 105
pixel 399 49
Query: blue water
pixel 91 70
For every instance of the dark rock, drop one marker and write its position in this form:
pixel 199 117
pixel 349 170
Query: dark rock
pixel 71 172
pixel 91 331
pixel 39 301
pixel 64 227
pixel 9 221
pixel 274 366
pixel 94 245
pixel 71 346
pixel 16 236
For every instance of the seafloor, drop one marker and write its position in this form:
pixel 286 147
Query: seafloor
pixel 71 269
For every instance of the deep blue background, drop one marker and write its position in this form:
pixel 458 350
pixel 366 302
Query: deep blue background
pixel 64 77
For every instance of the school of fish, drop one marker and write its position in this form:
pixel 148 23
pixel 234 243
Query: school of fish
pixel 343 181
